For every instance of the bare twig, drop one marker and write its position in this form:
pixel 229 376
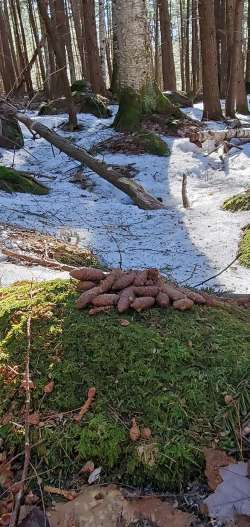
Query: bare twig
pixel 220 272
pixel 52 264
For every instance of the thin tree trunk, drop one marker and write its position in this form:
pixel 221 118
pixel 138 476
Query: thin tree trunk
pixel 195 47
pixel 102 41
pixel 168 65
pixel 9 74
pixel 182 45
pixel 25 52
pixel 36 37
pixel 230 95
pixel 248 50
pixel 211 95
pixel 68 42
pixel 237 94
pixel 187 50
pixel 61 61
pixel 93 57
pixel 156 39
pixel 79 35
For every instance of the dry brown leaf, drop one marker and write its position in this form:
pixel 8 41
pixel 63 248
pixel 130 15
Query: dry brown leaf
pixel 27 384
pixel 34 419
pixel 161 513
pixel 49 387
pixel 107 506
pixel 30 498
pixel 148 454
pixel 215 459
pixel 232 495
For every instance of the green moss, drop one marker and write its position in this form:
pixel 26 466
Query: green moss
pixel 245 247
pixel 148 369
pixel 238 202
pixel 13 181
pixel 94 104
pixel 152 143
pixel 80 85
pixel 134 106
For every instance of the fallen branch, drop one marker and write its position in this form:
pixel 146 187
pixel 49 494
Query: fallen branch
pixel 219 136
pixel 15 514
pixel 52 264
pixel 136 192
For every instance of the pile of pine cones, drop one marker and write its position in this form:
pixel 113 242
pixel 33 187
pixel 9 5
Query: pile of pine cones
pixel 138 290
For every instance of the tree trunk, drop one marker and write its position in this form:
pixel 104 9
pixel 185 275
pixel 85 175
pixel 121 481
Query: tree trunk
pixel 236 98
pixel 61 61
pixel 68 44
pixel 182 44
pixel 168 65
pixel 139 94
pixel 156 39
pixel 221 39
pixel 36 37
pixel 248 50
pixel 137 193
pixel 102 41
pixel 115 74
pixel 211 95
pixel 93 57
pixel 79 35
pixel 8 74
pixel 25 52
pixel 230 97
pixel 195 47
pixel 187 51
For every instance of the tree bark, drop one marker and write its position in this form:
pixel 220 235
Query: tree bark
pixel 136 192
pixel 68 44
pixel 139 94
pixel 61 61
pixel 195 47
pixel 220 135
pixel 102 41
pixel 93 57
pixel 25 52
pixel 248 50
pixel 168 65
pixel 8 74
pixel 211 95
pixel 187 50
pixel 236 98
pixel 36 37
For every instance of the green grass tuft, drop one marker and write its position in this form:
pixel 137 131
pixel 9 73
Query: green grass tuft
pixel 245 247
pixel 170 370
pixel 14 181
pixel 238 202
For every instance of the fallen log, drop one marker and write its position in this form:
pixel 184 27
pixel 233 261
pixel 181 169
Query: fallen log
pixel 136 192
pixel 219 136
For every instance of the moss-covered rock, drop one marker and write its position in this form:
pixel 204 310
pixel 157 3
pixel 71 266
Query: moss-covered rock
pixel 84 103
pixel 238 202
pixel 11 134
pixel 152 143
pixel 13 181
pixel 170 370
pixel 245 247
pixel 81 85
pixel 134 106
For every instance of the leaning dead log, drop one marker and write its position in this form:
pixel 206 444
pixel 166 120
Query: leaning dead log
pixel 219 136
pixel 136 192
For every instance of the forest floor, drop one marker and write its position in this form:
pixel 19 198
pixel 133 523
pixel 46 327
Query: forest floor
pixel 190 245
pixel 183 376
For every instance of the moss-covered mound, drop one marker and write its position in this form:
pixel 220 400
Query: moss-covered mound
pixel 13 181
pixel 84 103
pixel 80 85
pixel 151 143
pixel 245 247
pixel 238 202
pixel 170 370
